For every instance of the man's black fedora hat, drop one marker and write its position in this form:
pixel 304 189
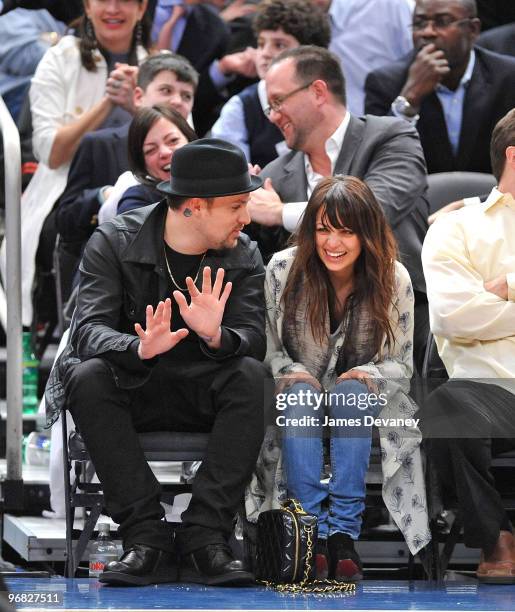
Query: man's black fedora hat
pixel 209 168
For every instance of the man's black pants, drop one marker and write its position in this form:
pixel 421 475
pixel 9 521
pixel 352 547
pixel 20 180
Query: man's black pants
pixel 465 424
pixel 224 398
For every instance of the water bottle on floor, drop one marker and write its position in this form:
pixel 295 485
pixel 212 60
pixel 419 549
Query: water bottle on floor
pixel 103 551
pixel 30 376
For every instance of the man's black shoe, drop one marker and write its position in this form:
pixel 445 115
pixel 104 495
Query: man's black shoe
pixel 141 565
pixel 214 565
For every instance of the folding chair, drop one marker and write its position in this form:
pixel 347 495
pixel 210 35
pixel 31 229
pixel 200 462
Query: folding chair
pixel 157 446
pixel 446 187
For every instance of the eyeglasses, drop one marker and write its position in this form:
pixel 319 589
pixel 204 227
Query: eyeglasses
pixel 278 102
pixel 440 22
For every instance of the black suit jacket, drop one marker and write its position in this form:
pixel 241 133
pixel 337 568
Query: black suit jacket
pixel 205 39
pixel 489 96
pixel 99 160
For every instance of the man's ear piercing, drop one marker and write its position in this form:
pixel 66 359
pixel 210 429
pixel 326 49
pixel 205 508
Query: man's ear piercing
pixel 187 212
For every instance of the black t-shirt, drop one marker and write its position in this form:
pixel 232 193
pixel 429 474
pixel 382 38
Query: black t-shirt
pixel 182 266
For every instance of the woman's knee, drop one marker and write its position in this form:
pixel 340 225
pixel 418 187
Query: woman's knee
pixel 349 398
pixel 350 385
pixel 301 399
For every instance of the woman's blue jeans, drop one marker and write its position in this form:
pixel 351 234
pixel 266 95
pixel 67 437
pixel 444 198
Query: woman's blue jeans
pixel 339 502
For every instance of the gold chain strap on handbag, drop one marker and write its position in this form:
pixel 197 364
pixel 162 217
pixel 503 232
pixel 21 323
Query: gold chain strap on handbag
pixel 305 585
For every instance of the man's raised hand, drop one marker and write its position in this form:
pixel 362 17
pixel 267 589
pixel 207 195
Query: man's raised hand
pixel 157 338
pixel 205 311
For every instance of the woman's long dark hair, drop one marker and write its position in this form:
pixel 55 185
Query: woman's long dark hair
pixel 347 202
pixel 140 126
pixel 88 43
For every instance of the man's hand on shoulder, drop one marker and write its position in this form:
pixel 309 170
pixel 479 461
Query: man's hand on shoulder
pixel 428 68
pixel 157 338
pixel 499 286
pixel 265 205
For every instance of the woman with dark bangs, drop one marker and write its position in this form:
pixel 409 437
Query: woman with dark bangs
pixel 155 134
pixel 339 322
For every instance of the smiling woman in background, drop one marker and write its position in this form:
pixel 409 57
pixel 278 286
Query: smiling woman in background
pixel 154 135
pixel 71 95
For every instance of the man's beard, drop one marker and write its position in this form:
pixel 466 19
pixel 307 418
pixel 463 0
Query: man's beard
pixel 228 243
pixel 300 137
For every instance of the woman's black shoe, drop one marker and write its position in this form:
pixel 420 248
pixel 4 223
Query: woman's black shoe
pixel 141 565
pixel 344 562
pixel 214 565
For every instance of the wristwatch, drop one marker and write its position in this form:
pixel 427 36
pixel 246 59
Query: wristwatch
pixel 402 108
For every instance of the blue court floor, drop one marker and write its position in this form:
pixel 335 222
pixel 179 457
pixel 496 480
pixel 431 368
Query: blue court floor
pixel 84 594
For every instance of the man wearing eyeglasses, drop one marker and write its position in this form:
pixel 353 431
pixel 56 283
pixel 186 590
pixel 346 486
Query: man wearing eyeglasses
pixel 451 90
pixel 307 102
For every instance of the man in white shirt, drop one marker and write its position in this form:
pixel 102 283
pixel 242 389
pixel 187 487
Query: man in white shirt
pixel 469 264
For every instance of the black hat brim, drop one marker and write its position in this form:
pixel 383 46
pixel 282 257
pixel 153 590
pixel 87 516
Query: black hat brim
pixel 165 187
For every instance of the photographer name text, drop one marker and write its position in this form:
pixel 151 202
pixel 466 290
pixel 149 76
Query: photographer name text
pixel 367 421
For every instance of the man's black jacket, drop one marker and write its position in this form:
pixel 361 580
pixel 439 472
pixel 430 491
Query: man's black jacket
pixel 122 271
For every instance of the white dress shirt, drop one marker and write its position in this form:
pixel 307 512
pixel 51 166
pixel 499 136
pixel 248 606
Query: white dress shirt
pixel 474 329
pixel 292 211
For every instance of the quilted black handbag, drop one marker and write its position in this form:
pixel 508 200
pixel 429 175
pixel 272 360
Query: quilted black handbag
pixel 285 552
pixel 286 541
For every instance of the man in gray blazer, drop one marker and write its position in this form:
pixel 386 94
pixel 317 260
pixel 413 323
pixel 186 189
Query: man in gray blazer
pixel 306 94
